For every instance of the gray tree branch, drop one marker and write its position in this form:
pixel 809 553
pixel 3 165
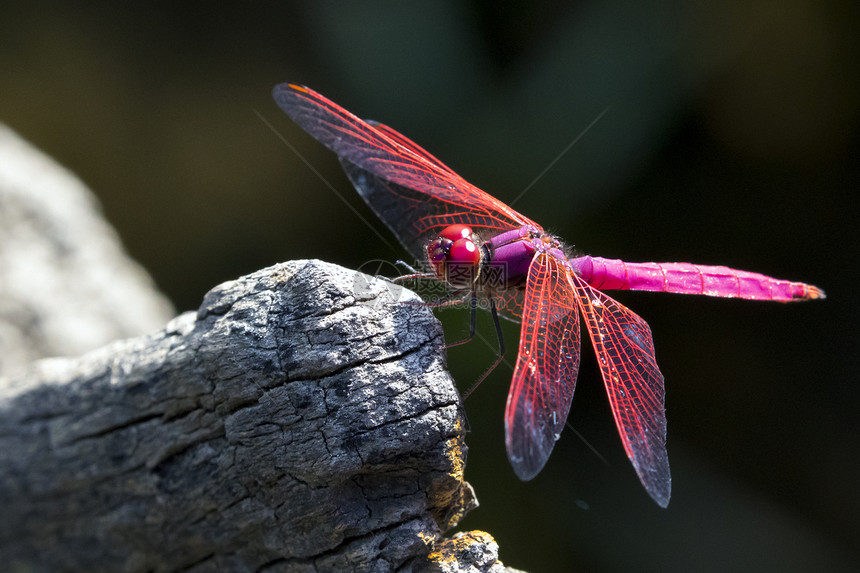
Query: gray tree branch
pixel 302 419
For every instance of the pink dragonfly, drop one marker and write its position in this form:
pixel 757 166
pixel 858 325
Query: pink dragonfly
pixel 481 247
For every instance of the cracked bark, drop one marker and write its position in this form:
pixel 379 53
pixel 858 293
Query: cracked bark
pixel 300 420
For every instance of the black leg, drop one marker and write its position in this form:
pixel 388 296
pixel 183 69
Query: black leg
pixel 413 273
pixel 449 300
pixel 501 347
pixel 473 320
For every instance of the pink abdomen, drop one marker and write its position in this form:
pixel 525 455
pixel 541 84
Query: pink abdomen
pixel 686 278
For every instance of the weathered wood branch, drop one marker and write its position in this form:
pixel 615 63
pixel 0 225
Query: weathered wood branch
pixel 302 419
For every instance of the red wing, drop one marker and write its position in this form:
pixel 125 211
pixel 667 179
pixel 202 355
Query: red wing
pixel 406 142
pixel 625 353
pixel 510 303
pixel 414 194
pixel 547 365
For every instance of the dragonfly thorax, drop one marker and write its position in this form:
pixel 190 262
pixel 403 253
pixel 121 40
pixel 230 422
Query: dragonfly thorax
pixel 455 256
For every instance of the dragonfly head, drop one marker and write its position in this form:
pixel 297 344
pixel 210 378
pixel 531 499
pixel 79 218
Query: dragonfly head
pixel 455 256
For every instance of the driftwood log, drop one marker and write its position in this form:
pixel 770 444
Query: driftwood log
pixel 301 420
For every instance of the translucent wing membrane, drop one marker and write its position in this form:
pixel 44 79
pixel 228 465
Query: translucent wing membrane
pixel 547 365
pixel 408 143
pixel 625 354
pixel 511 301
pixel 414 217
pixel 409 189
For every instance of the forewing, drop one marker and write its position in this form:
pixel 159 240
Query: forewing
pixel 406 142
pixel 400 208
pixel 414 194
pixel 625 354
pixel 547 365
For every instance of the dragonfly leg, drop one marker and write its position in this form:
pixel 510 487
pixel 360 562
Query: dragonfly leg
pixel 407 266
pixel 473 320
pixel 449 300
pixel 413 273
pixel 428 276
pixel 501 338
pixel 402 278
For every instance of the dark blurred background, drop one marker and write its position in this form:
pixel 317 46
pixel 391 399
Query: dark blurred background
pixel 731 137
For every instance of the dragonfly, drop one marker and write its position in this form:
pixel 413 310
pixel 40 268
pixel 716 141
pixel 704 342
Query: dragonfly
pixel 482 249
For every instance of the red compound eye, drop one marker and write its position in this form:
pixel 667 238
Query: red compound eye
pixel 464 252
pixel 454 256
pixel 455 232
pixel 462 263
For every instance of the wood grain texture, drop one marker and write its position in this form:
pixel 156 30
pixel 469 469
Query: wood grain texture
pixel 301 420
